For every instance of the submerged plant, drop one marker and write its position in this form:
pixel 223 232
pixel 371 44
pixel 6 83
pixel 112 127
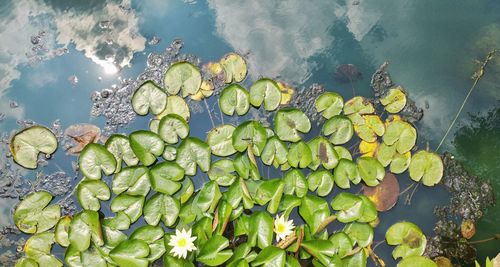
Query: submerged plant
pixel 227 219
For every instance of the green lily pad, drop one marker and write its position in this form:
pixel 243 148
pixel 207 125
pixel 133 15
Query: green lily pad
pixel 275 152
pixel 61 231
pixel 417 261
pixel 360 233
pixel 370 170
pixel 214 252
pixel 172 127
pixel 270 257
pixel 132 180
pixel 187 190
pixel 349 207
pixel 146 146
pixel 170 261
pixel 131 253
pixel 34 214
pixel 250 134
pixel 400 134
pixel 222 172
pixel 193 152
pixel 322 250
pixel 426 166
pixel 38 248
pixel 120 222
pixel 371 128
pixel 28 143
pixel 342 243
pixel 288 123
pixel 260 229
pixel 245 168
pixel 345 172
pixel 395 100
pixel 288 203
pixel 92 257
pixel 169 153
pixel 235 67
pixel 314 210
pixel 358 259
pixel 270 192
pixel 84 228
pixel 176 105
pixel 267 91
pixel 90 192
pixel 408 238
pixel 385 154
pixel 400 162
pixel 223 214
pixel 119 146
pixel 343 152
pixel 149 97
pixel 130 205
pixel 299 155
pixel 234 98
pixel 340 128
pixel 208 197
pixel 357 106
pixel 321 182
pixel 153 236
pixel 95 158
pixel 322 153
pixel 26 262
pixel 329 104
pixel 182 75
pixel 154 124
pixel 220 140
pixel 295 183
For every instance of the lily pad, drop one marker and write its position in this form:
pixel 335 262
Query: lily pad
pixel 34 214
pixel 95 158
pixel 385 154
pixel 90 192
pixel 370 170
pixel 426 166
pixel 357 106
pixel 299 155
pixel 131 253
pixel 408 238
pixel 149 97
pixel 314 210
pixel 234 98
pixel 222 172
pixel 360 233
pixel 265 91
pixel 214 252
pixel 176 105
pixel 345 172
pixel 288 123
pixel 275 152
pixel 386 194
pixel 340 128
pixel 260 229
pixel 61 231
pixel 130 205
pixel 322 152
pixel 400 134
pixel 250 134
pixel 28 143
pixel 208 197
pixel 329 104
pixel 245 168
pixel 322 250
pixel 172 127
pixel 38 248
pixel 321 182
pixel 395 100
pixel 270 192
pixel 169 153
pixel 146 146
pixel 166 176
pixel 270 256
pixel 417 261
pixel 206 90
pixel 295 183
pixel 235 68
pixel 400 162
pixel 119 146
pixel 371 128
pixel 132 180
pixel 220 140
pixel 193 152
pixel 182 75
pixel 84 228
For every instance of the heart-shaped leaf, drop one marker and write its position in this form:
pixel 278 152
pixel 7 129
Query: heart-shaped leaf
pixel 34 214
pixel 132 180
pixel 329 104
pixel 288 123
pixel 370 170
pixel 342 243
pixel 358 259
pixel 161 206
pixel 176 105
pixel 299 155
pixel 220 140
pixel 92 257
pixel 208 197
pixel 61 231
pixel 260 229
pixel 245 168
pixel 342 152
pixel 131 253
pixel 130 205
pixel 169 153
pixel 400 134
pixel 165 177
pixel 340 128
pixel 250 134
pixel 84 227
pixel 322 153
pixel 385 154
pixel 38 248
pixel 408 238
pixel 322 250
pixel 275 152
pixel 119 146
pixel 95 158
pixel 418 261
pixel 170 261
pixel 267 91
pixel 187 190
pixel 395 100
pixel 370 128
pixel 234 98
pixel 357 106
pixel 193 152
pixel 314 210
pixel 214 252
pixel 235 67
pixel 295 183
pixel 153 236
pixel 90 192
pixel 400 162
pixel 146 146
pixel 426 166
pixel 349 207
pixel 360 233
pixel 346 171
pixel 182 75
pixel 385 195
pixel 321 182
pixel 26 262
pixel 172 127
pixel 149 97
pixel 222 172
pixel 270 191
pixel 28 143
pixel 270 256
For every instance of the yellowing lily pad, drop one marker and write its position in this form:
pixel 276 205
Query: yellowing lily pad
pixel 426 166
pixel 235 67
pixel 370 128
pixel 400 134
pixel 287 93
pixel 408 238
pixel 28 143
pixel 34 214
pixel 395 100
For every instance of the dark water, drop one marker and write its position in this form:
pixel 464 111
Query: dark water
pixel 430 45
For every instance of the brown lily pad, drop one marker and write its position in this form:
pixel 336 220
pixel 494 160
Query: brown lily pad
pixel 468 228
pixel 80 135
pixel 385 195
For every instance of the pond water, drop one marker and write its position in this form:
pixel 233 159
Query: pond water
pixel 55 54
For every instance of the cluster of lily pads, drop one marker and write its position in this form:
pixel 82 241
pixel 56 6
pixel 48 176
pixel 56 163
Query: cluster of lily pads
pixel 234 218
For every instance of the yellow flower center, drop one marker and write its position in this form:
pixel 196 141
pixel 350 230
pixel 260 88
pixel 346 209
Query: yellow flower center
pixel 182 242
pixel 281 228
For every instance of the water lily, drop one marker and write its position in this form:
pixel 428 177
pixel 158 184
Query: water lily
pixel 182 243
pixel 282 227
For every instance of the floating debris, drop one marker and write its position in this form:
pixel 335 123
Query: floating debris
pixel 80 135
pixel 73 79
pixel 347 73
pixel 105 24
pixel 13 104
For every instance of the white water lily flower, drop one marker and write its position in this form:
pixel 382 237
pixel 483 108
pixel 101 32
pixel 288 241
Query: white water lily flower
pixel 282 228
pixel 182 243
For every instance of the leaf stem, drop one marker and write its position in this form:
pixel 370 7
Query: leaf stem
pixel 209 113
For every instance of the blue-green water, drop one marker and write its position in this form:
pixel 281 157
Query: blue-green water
pixel 430 45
